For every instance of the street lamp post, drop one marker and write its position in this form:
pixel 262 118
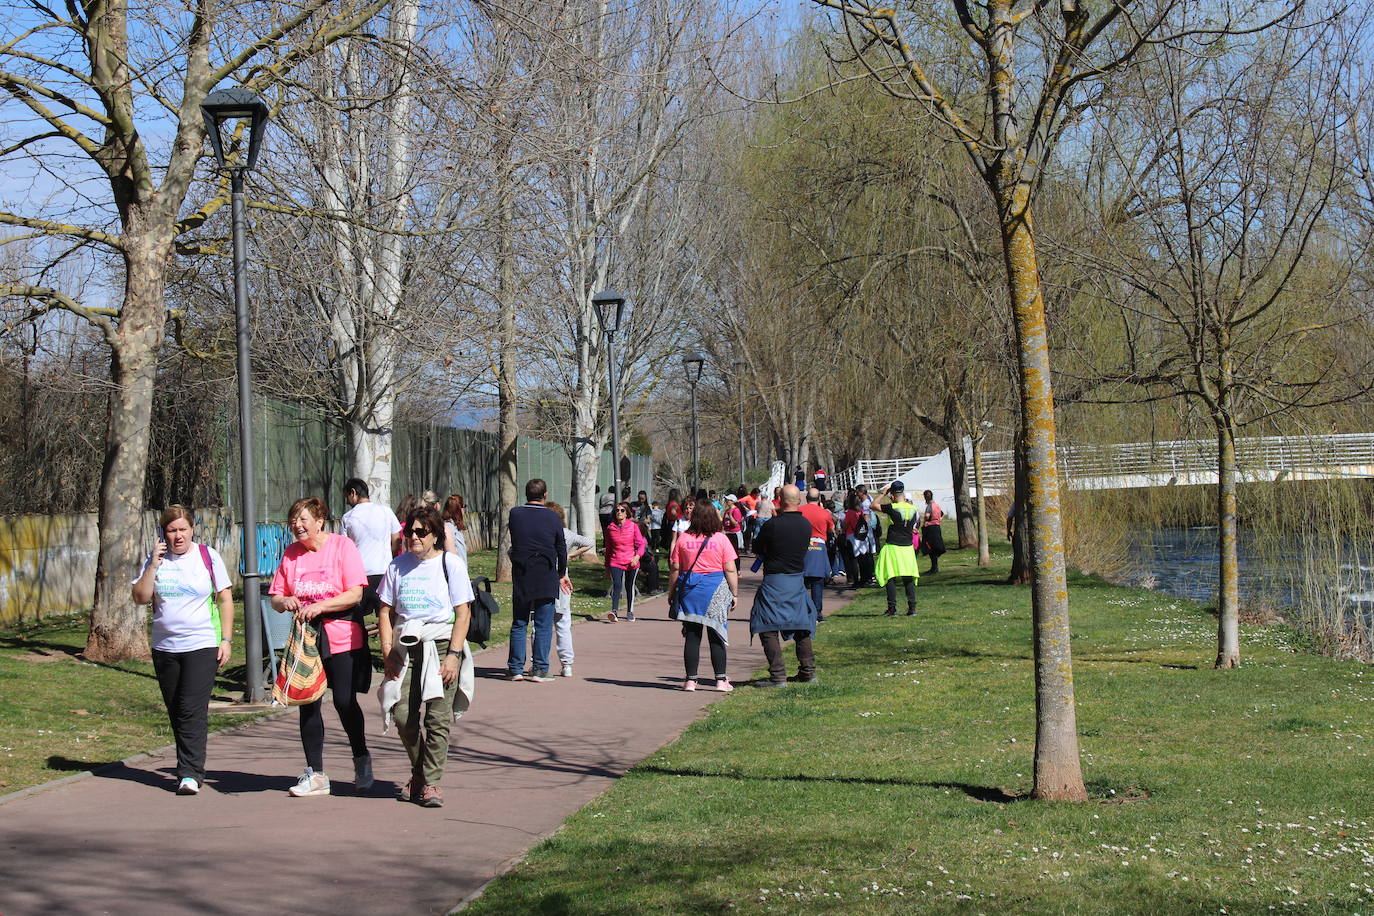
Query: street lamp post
pixel 219 109
pixel 610 309
pixel 692 364
pixel 739 385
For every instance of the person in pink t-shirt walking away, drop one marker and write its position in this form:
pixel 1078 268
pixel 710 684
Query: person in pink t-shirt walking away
pixel 702 588
pixel 320 581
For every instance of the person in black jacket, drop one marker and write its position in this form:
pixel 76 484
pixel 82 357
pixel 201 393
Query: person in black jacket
pixel 783 608
pixel 539 570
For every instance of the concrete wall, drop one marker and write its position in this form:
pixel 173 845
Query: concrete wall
pixel 47 562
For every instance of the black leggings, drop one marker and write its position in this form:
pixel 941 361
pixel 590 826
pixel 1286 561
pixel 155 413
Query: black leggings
pixel 909 583
pixel 340 670
pixel 187 679
pixel 691 650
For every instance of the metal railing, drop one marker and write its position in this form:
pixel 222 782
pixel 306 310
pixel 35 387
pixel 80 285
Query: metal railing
pixel 874 474
pixel 1175 458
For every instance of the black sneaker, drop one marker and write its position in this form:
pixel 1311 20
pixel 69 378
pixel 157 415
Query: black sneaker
pixel 768 682
pixel 804 679
pixel 911 612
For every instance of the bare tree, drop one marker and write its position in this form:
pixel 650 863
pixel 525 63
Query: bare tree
pixel 121 86
pixel 1037 63
pixel 1231 274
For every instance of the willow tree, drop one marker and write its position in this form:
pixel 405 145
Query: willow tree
pixel 118 85
pixel 1035 64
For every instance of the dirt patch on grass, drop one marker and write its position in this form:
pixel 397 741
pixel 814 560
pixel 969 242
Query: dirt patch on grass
pixel 39 655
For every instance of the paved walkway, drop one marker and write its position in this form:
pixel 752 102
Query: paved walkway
pixel 524 758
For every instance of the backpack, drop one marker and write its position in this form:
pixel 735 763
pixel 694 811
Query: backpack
pixel 483 605
pixel 861 528
pixel 647 581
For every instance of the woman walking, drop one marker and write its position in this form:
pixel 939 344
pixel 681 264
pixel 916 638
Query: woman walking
pixel 320 580
pixel 455 540
pixel 732 522
pixel 672 511
pixel 193 619
pixel 423 624
pixel 856 545
pixel 702 588
pixel 897 559
pixel 578 546
pixel 932 538
pixel 624 545
pixel 684 521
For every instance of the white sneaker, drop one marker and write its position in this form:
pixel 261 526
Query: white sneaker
pixel 310 784
pixel 362 772
pixel 567 671
pixel 188 786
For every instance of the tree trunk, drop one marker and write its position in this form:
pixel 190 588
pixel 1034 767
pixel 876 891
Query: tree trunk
pixel 586 459
pixel 508 395
pixel 1228 584
pixel 984 556
pixel 1020 538
pixel 370 439
pixel 958 471
pixel 1058 769
pixel 118 626
pixel 507 378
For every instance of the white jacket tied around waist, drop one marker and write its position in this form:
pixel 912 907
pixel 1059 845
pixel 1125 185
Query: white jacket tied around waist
pixel 412 633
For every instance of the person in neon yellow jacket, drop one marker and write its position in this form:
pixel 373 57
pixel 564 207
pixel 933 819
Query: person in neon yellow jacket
pixel 897 560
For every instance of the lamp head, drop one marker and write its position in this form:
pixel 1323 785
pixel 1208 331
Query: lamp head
pixel 610 309
pixel 692 364
pixel 237 104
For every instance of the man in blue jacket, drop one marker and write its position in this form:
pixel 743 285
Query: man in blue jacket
pixel 539 570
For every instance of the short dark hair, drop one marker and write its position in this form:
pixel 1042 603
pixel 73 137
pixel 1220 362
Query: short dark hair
pixel 428 516
pixel 356 485
pixel 705 518
pixel 535 489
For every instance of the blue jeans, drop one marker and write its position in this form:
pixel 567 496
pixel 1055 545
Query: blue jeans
pixel 622 582
pixel 542 611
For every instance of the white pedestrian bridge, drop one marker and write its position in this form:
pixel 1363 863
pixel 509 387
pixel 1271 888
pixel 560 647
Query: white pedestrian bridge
pixel 1126 465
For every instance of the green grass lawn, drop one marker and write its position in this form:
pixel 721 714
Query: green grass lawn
pixel 899 783
pixel 60 714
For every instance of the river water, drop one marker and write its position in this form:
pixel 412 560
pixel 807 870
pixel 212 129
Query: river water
pixel 1183 562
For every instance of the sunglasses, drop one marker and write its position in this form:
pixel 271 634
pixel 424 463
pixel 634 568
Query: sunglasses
pixel 419 532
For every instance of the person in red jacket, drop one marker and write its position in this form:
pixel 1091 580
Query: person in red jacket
pixel 625 544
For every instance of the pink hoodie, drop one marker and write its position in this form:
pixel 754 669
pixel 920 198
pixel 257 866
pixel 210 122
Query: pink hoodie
pixel 625 544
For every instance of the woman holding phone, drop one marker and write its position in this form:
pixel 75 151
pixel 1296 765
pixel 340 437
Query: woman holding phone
pixel 193 620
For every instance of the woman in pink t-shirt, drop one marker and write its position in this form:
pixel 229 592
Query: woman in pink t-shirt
pixel 320 580
pixel 702 587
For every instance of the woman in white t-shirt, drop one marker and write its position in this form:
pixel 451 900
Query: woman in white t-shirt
pixel 681 525
pixel 423 625
pixel 193 619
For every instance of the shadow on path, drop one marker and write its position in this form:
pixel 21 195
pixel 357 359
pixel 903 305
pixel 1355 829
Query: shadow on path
pixel 978 793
